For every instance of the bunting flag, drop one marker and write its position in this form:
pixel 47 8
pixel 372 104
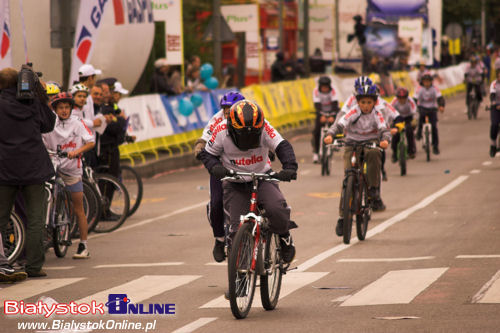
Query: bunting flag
pixel 5 35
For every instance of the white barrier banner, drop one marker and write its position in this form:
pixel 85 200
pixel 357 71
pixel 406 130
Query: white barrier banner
pixel 5 37
pixel 147 117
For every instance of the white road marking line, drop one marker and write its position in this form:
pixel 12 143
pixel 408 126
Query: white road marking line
pixel 54 268
pixel 477 256
pixel 396 287
pixel 216 264
pixel 291 281
pixel 195 325
pixel 384 259
pixel 142 288
pixel 487 163
pixel 384 225
pixel 152 264
pixel 341 298
pixel 490 292
pixel 31 288
pixel 305 172
pixel 475 171
pixel 153 219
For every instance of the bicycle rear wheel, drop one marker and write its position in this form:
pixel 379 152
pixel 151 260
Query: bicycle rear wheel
pixel 270 282
pixel 63 219
pixel 114 203
pixel 13 237
pixel 427 144
pixel 91 207
pixel 133 183
pixel 363 218
pixel 240 274
pixel 348 208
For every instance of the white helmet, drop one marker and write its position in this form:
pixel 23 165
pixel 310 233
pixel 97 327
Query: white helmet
pixel 79 87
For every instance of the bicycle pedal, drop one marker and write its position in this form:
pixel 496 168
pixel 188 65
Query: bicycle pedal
pixel 286 268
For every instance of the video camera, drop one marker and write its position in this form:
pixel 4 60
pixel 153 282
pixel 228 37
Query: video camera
pixel 29 86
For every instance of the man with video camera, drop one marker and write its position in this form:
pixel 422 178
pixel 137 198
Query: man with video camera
pixel 24 162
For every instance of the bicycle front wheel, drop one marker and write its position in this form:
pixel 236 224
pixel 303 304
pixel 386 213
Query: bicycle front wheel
pixel 13 237
pixel 348 207
pixel 402 157
pixel 364 212
pixel 427 144
pixel 133 183
pixel 240 274
pixel 114 203
pixel 270 282
pixel 63 219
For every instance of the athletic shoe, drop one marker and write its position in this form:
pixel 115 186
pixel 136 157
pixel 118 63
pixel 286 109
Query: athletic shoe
pixel 33 274
pixel 82 252
pixel 287 249
pixel 9 275
pixel 339 229
pixel 394 158
pixel 493 151
pixel 315 158
pixel 378 205
pixel 384 175
pixel 435 150
pixel 218 251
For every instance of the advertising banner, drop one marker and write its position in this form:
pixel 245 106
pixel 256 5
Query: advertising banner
pixel 410 31
pixel 170 12
pixel 5 37
pixel 321 30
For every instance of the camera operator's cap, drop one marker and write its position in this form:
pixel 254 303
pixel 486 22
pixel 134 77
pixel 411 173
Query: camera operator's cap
pixel 88 70
pixel 119 88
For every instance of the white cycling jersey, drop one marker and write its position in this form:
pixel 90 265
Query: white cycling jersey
pixel 388 111
pixel 326 100
pixel 427 97
pixel 495 89
pixel 407 109
pixel 211 125
pixel 70 134
pixel 253 160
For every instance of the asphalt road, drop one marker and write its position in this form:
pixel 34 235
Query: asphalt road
pixel 430 263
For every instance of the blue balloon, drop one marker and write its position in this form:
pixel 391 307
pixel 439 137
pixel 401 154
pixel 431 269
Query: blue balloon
pixel 206 71
pixel 196 99
pixel 185 107
pixel 211 83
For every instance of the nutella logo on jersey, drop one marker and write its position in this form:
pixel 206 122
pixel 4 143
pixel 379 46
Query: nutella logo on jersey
pixel 214 125
pixel 214 134
pixel 247 161
pixel 70 144
pixel 270 131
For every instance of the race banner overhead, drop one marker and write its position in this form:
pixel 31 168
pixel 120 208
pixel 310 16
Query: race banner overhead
pixel 87 29
pixel 5 37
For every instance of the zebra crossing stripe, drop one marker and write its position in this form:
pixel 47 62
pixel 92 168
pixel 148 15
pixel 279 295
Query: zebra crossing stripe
pixel 490 292
pixel 31 288
pixel 142 288
pixel 291 282
pixel 396 287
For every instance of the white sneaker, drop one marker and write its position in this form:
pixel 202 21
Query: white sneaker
pixel 82 252
pixel 315 158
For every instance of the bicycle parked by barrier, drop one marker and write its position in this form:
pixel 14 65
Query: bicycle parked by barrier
pixel 354 197
pixel 255 250
pixel 13 237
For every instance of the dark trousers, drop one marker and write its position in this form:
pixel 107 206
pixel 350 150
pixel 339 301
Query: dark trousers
pixel 269 197
pixel 216 207
pixel 479 93
pixel 432 114
pixel 35 200
pixel 410 138
pixel 495 122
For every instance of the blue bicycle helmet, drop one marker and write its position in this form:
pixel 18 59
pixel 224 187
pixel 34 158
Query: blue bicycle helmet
pixel 367 90
pixel 230 98
pixel 362 81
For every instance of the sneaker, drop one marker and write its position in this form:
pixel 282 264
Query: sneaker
pixel 493 151
pixel 315 158
pixel 384 175
pixel 218 251
pixel 82 252
pixel 9 275
pixel 110 216
pixel 378 205
pixel 394 158
pixel 435 150
pixel 339 229
pixel 36 274
pixel 287 249
pixel 226 294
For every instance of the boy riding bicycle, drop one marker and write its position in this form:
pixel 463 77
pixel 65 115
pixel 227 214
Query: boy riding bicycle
pixel 429 101
pixel 363 123
pixel 494 113
pixel 407 110
pixel 242 143
pixel 326 105
pixel 72 136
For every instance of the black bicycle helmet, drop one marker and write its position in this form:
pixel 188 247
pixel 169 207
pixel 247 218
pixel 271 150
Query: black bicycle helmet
pixel 245 124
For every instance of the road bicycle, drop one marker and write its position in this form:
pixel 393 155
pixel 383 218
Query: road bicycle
pixel 325 151
pixel 133 183
pixel 427 143
pixel 255 250
pixel 13 237
pixel 473 103
pixel 59 218
pixel 402 148
pixel 113 200
pixel 354 199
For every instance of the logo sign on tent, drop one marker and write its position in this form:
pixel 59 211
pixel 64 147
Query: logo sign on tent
pixel 170 12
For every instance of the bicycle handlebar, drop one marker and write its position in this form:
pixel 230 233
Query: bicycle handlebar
pixel 253 175
pixel 342 143
pixel 58 153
